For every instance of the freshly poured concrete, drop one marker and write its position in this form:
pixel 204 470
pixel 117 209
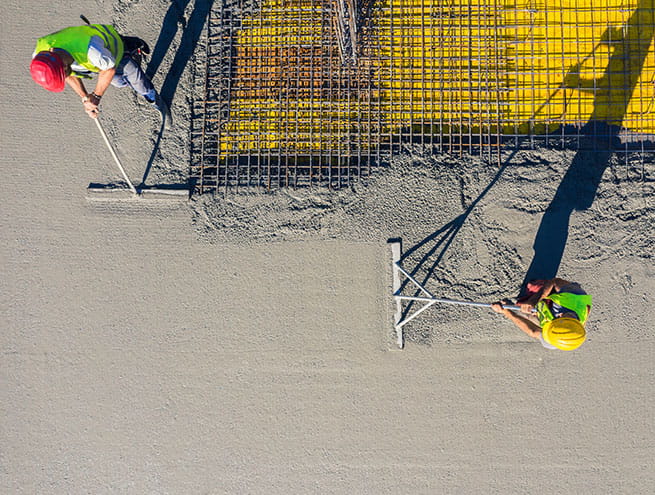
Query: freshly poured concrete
pixel 244 345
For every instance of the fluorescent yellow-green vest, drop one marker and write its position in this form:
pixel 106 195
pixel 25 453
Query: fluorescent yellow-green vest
pixel 575 302
pixel 75 40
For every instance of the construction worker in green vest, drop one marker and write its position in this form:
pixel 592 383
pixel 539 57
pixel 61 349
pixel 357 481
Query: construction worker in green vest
pixel 554 312
pixel 76 53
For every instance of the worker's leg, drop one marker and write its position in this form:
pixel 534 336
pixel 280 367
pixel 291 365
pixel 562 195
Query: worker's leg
pixel 128 73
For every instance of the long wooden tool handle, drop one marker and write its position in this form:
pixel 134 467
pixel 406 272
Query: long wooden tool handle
pixel 113 153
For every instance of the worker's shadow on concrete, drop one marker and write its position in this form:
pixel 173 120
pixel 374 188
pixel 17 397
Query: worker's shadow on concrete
pixel 192 29
pixel 599 136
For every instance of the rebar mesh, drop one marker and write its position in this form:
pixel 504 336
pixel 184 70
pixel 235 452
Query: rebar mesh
pixel 322 91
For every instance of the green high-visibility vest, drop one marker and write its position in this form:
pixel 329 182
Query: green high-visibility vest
pixel 577 303
pixel 75 40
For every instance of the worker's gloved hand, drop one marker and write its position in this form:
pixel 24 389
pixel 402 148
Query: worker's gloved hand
pixel 91 103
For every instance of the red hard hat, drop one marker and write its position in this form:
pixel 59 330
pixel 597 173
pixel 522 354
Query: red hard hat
pixel 47 69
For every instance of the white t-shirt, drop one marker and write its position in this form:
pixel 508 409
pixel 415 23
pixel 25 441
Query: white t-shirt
pixel 98 55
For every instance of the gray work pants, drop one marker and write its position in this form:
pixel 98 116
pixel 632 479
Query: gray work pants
pixel 128 73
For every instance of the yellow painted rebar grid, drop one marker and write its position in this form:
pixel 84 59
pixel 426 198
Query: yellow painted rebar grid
pixel 283 104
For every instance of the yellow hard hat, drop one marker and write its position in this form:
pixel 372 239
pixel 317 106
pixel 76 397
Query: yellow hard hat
pixel 564 333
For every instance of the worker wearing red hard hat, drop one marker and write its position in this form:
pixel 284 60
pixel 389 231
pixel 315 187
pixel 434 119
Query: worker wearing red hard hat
pixel 76 53
pixel 562 309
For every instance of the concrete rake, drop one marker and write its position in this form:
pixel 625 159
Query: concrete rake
pixel 427 298
pixel 107 192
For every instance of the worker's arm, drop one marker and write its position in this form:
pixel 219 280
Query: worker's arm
pixel 104 80
pixel 92 99
pixel 90 103
pixel 77 85
pixel 521 322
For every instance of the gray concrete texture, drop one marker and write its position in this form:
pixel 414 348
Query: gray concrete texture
pixel 244 345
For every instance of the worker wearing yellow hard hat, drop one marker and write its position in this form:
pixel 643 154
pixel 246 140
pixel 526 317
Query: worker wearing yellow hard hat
pixel 556 310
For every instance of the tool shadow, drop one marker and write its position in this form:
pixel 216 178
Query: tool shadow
pixel 440 241
pixel 154 153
